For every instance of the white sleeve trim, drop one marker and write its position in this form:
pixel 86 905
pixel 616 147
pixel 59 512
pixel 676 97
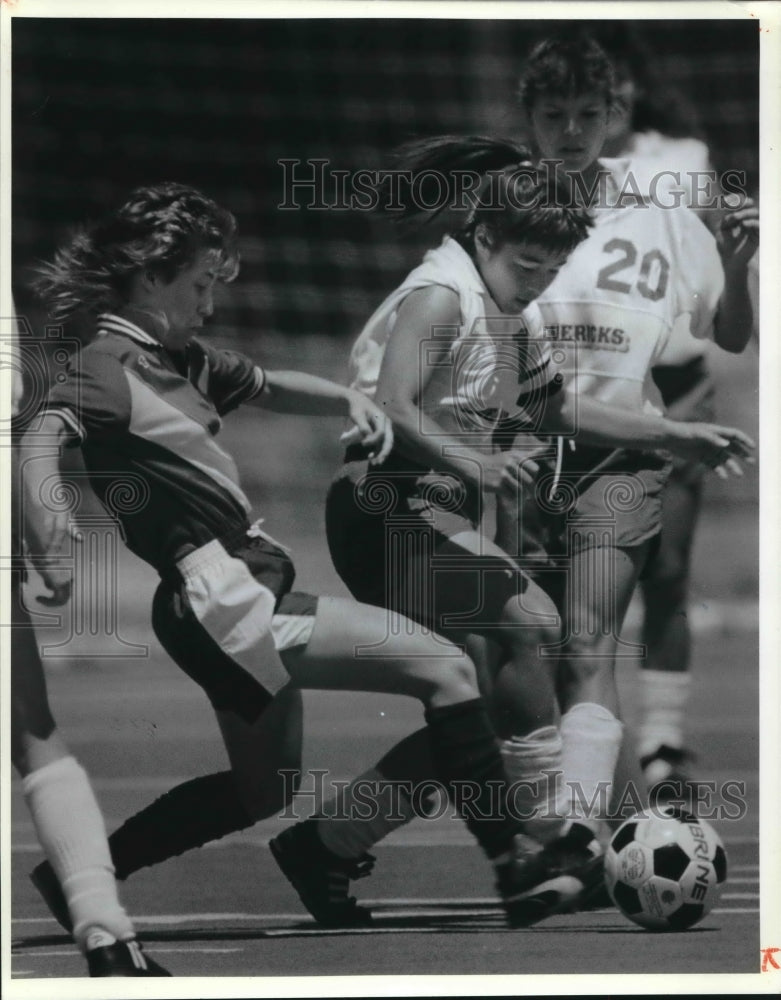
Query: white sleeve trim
pixel 70 419
pixel 260 381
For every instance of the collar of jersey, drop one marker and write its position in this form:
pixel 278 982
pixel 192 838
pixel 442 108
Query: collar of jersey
pixel 450 250
pixel 114 323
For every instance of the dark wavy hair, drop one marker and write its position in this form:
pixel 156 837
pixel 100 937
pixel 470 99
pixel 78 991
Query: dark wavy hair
pixel 508 193
pixel 568 62
pixel 161 228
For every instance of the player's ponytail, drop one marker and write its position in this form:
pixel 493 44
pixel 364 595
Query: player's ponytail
pixel 455 168
pixel 487 181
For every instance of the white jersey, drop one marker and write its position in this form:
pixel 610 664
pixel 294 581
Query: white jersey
pixel 491 370
pixel 678 172
pixel 611 311
pixel 675 165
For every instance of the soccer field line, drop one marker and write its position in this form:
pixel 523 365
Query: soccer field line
pixel 387 908
pixel 458 923
pixel 74 953
pixel 396 840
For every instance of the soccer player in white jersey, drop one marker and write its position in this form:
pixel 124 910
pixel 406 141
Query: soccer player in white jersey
pixel 650 126
pixel 144 400
pixel 448 356
pixel 612 314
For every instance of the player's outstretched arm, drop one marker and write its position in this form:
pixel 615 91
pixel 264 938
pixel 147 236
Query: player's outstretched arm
pixel 299 392
pixel 47 532
pixel 739 239
pixel 600 424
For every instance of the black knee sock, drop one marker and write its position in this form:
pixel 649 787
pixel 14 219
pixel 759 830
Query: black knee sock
pixel 188 816
pixel 467 758
pixel 410 759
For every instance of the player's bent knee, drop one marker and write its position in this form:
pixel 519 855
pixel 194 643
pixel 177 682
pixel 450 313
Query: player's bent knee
pixel 520 629
pixel 461 672
pixel 445 680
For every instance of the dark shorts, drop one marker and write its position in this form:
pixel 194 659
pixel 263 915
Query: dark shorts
pixel 225 612
pixel 688 392
pixel 600 499
pixel 390 532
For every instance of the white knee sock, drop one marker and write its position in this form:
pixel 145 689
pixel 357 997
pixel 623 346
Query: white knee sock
pixel 70 828
pixel 533 766
pixel 665 695
pixel 591 740
pixel 365 812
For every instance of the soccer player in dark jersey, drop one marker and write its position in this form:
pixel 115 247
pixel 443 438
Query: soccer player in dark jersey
pixel 144 401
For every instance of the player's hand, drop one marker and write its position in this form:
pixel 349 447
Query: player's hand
pixel 50 552
pixel 371 428
pixel 507 471
pixel 58 581
pixel 713 445
pixel 739 234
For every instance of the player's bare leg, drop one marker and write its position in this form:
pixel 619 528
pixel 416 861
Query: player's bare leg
pixel 665 678
pixel 600 585
pixel 521 703
pixel 463 745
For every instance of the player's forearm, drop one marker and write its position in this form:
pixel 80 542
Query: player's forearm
pixel 40 471
pixel 299 392
pixel 602 425
pixel 426 442
pixel 734 320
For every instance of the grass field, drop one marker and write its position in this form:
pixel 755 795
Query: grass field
pixel 139 726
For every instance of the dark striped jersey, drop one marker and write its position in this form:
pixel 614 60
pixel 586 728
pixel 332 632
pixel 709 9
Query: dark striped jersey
pixel 147 419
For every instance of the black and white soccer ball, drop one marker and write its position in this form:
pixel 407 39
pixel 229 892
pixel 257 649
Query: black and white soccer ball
pixel 664 869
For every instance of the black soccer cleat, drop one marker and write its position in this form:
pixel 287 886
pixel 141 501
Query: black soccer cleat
pixel 47 884
pixel 320 877
pixel 123 958
pixel 557 879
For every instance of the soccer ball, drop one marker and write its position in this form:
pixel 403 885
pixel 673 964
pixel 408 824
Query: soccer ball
pixel 664 869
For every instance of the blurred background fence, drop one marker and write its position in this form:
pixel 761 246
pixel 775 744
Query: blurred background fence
pixel 103 105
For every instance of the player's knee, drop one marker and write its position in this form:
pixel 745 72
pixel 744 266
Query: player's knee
pixel 462 674
pixel 527 627
pixel 447 679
